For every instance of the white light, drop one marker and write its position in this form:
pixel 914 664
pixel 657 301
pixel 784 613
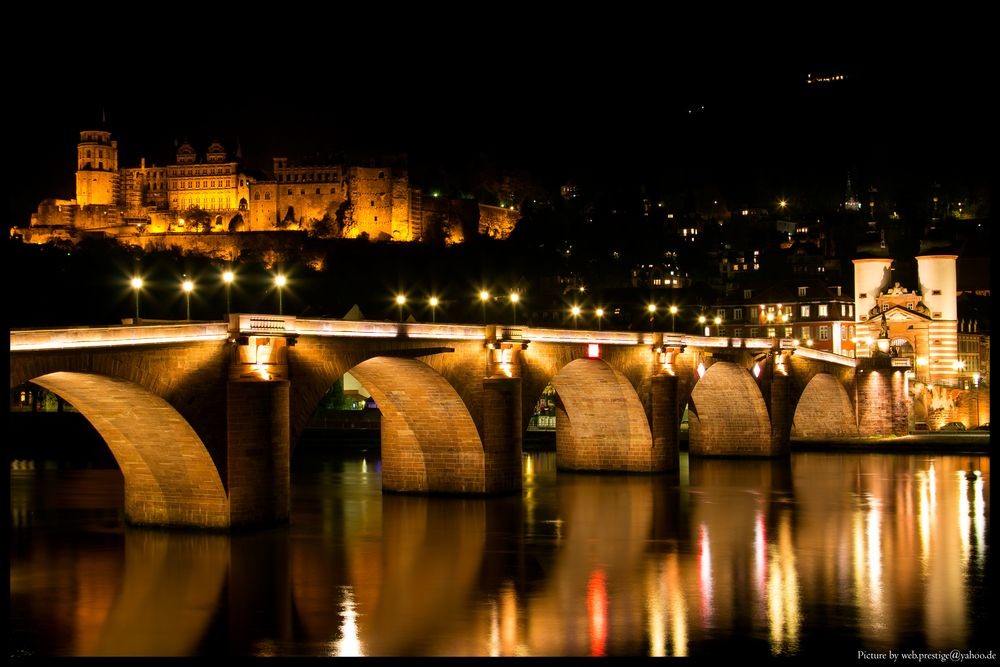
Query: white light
pixel 400 299
pixel 515 297
pixel 280 280
pixel 228 276
pixel 188 286
pixel 434 301
pixel 136 283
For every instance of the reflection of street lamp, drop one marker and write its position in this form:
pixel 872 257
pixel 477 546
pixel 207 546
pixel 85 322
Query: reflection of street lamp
pixel 434 303
pixel 575 310
pixel 227 278
pixel 484 297
pixel 514 298
pixel 137 285
pixel 673 315
pixel 400 300
pixel 600 313
pixel 188 287
pixel 280 281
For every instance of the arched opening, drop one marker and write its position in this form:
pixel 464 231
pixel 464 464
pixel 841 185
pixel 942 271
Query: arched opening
pixel 727 414
pixel 428 442
pixel 169 476
pixel 824 410
pixel 600 422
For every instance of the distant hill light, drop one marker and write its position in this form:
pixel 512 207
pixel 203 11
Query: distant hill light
pixel 825 78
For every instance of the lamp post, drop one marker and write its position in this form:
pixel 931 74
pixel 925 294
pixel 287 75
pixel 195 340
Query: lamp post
pixel 137 286
pixel 718 321
pixel 280 281
pixel 227 278
pixel 701 321
pixel 400 300
pixel 673 315
pixel 483 298
pixel 600 313
pixel 651 309
pixel 434 303
pixel 514 298
pixel 575 311
pixel 188 287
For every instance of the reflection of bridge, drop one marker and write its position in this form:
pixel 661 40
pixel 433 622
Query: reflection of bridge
pixel 201 417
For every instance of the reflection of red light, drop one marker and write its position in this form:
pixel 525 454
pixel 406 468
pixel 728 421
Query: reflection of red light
pixel 593 350
pixel 597 612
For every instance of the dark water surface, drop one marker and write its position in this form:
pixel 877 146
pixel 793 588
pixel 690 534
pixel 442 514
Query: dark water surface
pixel 818 555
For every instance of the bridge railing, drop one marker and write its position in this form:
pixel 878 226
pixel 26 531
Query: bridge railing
pixel 77 337
pixel 369 329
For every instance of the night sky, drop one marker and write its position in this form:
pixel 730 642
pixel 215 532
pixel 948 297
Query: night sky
pixel 624 102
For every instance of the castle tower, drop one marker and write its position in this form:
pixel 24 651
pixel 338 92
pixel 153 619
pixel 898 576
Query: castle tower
pixel 871 276
pixel 937 275
pixel 96 169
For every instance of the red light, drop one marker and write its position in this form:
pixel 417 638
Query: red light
pixel 593 351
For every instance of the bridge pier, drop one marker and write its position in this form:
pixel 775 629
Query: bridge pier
pixel 257 456
pixel 781 422
pixel 665 423
pixel 502 434
pixel 882 399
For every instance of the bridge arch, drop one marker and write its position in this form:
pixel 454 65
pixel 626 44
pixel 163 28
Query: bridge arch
pixel 824 410
pixel 429 440
pixel 170 478
pixel 727 414
pixel 600 422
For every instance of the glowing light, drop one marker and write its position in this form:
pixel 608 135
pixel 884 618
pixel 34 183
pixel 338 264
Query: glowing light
pixel 349 644
pixel 188 286
pixel 575 310
pixel 782 203
pixel 434 301
pixel 705 574
pixel 809 342
pixel 756 370
pixel 484 295
pixel 593 351
pixel 600 313
pixel 514 297
pixel 701 369
pixel 400 299
pixel 718 321
pixel 280 280
pixel 651 308
pixel 597 612
pixel 228 277
pixel 137 283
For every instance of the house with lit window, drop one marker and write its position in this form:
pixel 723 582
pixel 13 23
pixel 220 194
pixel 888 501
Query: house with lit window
pixel 808 310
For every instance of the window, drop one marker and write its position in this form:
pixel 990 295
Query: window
pixel 376 218
pixel 824 333
pixel 787 333
pixel 289 191
pixel 317 190
pixel 256 196
pixel 802 291
pixel 746 292
pixel 909 306
pixel 753 332
pixel 302 191
pixel 863 295
pixel 771 333
pixel 804 311
pixel 935 292
pixel 885 307
pixel 721 313
pixel 381 174
pixel 373 202
pixel 737 314
pixel 332 190
pixel 805 333
pixel 267 196
pixel 824 310
pixel 843 310
pixel 737 332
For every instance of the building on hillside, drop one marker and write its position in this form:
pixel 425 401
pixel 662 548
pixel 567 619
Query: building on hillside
pixel 213 192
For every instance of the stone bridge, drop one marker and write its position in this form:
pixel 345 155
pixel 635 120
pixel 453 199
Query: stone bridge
pixel 202 417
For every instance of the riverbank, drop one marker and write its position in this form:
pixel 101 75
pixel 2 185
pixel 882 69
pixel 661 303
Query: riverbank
pixel 956 442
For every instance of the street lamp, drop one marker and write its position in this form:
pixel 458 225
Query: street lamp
pixel 701 321
pixel 137 286
pixel 575 310
pixel 280 281
pixel 718 321
pixel 673 314
pixel 651 309
pixel 514 298
pixel 484 296
pixel 400 300
pixel 227 278
pixel 434 303
pixel 600 313
pixel 188 287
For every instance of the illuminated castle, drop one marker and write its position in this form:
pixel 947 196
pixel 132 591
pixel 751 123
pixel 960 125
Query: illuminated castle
pixel 214 193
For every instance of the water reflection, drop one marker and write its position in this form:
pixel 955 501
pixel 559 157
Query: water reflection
pixel 810 555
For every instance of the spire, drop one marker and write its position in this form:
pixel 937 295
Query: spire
pixel 851 202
